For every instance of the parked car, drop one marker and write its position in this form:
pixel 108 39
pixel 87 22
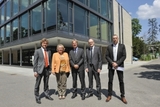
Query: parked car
pixel 135 58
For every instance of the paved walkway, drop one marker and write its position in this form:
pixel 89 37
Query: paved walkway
pixel 141 84
pixel 28 70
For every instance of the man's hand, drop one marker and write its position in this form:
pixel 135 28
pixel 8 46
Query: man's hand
pixel 76 66
pixel 115 65
pixel 86 69
pixel 35 74
pixel 98 70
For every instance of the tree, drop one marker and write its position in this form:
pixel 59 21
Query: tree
pixel 137 42
pixel 138 46
pixel 152 31
pixel 136 27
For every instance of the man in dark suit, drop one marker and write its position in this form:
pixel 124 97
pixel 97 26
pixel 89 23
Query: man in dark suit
pixel 115 55
pixel 42 68
pixel 93 66
pixel 77 66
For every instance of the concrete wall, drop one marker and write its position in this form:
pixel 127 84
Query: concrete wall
pixel 127 33
pixel 122 27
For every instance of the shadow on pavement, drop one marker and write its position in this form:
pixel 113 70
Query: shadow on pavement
pixel 152 66
pixel 155 75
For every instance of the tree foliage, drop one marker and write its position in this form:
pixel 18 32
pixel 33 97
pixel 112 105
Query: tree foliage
pixel 136 27
pixel 152 31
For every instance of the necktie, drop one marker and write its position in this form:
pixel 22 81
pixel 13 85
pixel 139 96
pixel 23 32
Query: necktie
pixel 45 58
pixel 91 54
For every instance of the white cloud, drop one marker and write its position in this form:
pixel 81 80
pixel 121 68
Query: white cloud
pixel 146 11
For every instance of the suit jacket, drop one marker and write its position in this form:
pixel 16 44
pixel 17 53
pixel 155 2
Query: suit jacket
pixel 96 59
pixel 77 58
pixel 56 62
pixel 121 55
pixel 39 63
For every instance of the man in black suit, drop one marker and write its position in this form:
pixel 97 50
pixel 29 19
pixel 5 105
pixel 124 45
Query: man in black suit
pixel 93 66
pixel 115 55
pixel 42 68
pixel 77 66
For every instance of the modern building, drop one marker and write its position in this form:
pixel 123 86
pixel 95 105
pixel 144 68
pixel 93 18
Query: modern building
pixel 25 22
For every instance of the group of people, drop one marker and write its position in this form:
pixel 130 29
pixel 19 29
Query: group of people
pixel 78 62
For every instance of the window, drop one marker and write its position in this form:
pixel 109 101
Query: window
pixel 8 32
pixel 15 29
pixel 94 28
pixel 15 7
pixel 36 20
pixel 83 1
pixel 51 15
pixel 80 20
pixel 32 1
pixel 8 10
pixel 104 8
pixel 2 15
pixel 104 30
pixel 24 4
pixel 94 4
pixel 110 10
pixel 24 25
pixel 62 15
pixel 2 36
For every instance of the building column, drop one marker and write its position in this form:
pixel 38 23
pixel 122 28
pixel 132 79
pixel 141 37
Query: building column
pixel 35 46
pixel 10 56
pixel 20 56
pixel 2 53
pixel 58 41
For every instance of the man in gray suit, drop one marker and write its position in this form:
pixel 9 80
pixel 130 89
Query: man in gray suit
pixel 77 66
pixel 42 68
pixel 93 66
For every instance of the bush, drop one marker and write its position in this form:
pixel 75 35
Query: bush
pixel 145 57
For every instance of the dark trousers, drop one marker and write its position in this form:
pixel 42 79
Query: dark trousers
pixel 45 74
pixel 92 72
pixel 110 82
pixel 81 74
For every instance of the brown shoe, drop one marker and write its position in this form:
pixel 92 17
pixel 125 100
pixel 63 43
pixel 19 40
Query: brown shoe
pixel 124 100
pixel 108 99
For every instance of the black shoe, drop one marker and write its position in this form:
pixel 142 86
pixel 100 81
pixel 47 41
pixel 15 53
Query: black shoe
pixel 74 95
pixel 83 97
pixel 89 95
pixel 48 97
pixel 99 98
pixel 38 100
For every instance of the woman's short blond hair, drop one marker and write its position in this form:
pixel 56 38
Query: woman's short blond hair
pixel 60 45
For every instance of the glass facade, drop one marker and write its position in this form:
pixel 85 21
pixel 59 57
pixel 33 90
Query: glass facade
pixel 8 10
pixel 80 20
pixel 104 9
pixel 104 30
pixel 94 26
pixel 15 7
pixel 15 29
pixel 24 4
pixel 56 15
pixel 94 4
pixel 2 36
pixel 8 32
pixel 24 25
pixel 2 14
pixel 36 20
pixel 62 15
pixel 50 14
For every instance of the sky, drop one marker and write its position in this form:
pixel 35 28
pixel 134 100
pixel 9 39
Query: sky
pixel 143 10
